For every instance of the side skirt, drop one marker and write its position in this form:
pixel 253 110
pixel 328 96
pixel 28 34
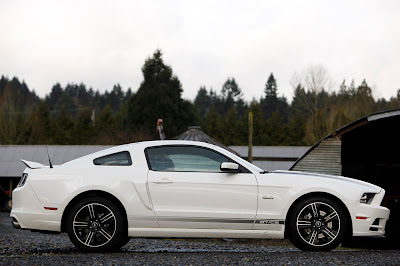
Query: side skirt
pixel 205 233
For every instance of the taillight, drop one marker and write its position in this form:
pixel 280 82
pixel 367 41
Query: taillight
pixel 23 180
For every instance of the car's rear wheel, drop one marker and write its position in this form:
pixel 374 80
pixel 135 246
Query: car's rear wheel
pixel 317 224
pixel 96 225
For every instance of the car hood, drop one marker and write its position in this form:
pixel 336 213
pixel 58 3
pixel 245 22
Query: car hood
pixel 366 185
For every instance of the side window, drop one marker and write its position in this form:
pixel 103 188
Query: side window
pixel 184 159
pixel 119 158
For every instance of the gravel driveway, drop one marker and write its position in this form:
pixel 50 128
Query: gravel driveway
pixel 25 247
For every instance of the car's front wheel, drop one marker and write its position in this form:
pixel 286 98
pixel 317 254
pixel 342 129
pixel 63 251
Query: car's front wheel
pixel 96 225
pixel 317 224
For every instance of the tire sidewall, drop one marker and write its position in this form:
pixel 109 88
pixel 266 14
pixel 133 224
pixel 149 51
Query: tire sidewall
pixel 298 241
pixel 117 238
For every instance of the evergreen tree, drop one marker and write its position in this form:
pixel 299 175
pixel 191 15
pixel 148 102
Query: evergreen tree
pixel 8 113
pixel 83 96
pixel 63 128
pixel 40 126
pixel 231 128
pixel 214 125
pixel 296 127
pixel 107 128
pixel 116 98
pixel 271 102
pixel 3 83
pixel 276 133
pixel 159 96
pixel 270 87
pixel 55 95
pixel 231 97
pixel 259 126
pixel 203 102
pixel 363 100
pixel 84 128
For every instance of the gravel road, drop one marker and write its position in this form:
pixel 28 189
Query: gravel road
pixel 24 247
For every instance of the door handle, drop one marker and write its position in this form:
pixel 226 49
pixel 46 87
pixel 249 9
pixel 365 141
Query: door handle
pixel 268 197
pixel 163 181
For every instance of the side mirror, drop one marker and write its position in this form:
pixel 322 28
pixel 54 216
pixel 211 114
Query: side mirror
pixel 229 167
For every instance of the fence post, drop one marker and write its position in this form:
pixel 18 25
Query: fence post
pixel 250 154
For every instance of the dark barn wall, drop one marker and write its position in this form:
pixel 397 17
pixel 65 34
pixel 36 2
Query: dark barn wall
pixel 372 153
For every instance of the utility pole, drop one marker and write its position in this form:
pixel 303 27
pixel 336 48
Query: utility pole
pixel 250 154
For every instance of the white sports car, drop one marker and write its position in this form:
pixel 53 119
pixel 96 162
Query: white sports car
pixel 191 189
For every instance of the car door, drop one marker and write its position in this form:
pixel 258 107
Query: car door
pixel 188 189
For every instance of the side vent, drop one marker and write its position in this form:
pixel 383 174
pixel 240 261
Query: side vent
pixel 23 180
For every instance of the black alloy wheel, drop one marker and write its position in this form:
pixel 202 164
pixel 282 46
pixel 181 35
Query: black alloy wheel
pixel 317 224
pixel 96 225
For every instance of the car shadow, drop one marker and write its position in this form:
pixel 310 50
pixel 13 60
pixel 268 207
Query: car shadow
pixel 382 243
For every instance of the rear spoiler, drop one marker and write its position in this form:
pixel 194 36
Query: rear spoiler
pixel 33 165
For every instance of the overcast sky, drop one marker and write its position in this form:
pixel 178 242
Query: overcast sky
pixel 101 43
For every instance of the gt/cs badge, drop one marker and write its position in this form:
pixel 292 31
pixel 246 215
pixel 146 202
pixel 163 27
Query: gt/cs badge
pixel 271 222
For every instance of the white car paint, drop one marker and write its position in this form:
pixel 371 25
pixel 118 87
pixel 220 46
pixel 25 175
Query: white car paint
pixel 188 204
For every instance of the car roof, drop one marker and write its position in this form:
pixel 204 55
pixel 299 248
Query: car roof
pixel 143 145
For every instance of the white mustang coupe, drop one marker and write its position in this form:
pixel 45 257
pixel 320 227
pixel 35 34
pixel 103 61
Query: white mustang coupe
pixel 190 189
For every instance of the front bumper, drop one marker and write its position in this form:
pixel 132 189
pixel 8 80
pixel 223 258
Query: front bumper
pixel 369 219
pixel 29 213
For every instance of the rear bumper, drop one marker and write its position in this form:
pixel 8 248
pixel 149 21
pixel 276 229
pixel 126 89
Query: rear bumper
pixel 29 213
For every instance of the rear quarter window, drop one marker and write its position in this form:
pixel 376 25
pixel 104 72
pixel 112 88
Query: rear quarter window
pixel 120 159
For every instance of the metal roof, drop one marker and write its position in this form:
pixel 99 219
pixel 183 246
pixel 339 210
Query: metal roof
pixel 195 133
pixel 11 155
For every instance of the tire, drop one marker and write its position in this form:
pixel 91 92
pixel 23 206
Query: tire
pixel 96 225
pixel 124 241
pixel 8 205
pixel 317 224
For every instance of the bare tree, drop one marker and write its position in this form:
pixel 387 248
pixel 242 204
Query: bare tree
pixel 311 89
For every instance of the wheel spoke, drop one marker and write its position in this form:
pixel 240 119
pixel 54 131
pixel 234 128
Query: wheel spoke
pixel 330 216
pixel 107 217
pixel 91 211
pixel 89 238
pixel 105 234
pixel 81 224
pixel 314 210
pixel 313 237
pixel 329 233
pixel 303 224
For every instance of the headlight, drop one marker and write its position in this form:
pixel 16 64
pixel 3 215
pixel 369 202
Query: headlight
pixel 367 198
pixel 23 180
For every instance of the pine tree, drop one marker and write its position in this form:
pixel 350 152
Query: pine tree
pixel 63 128
pixel 231 128
pixel 296 127
pixel 214 125
pixel 40 126
pixel 271 87
pixel 259 126
pixel 276 134
pixel 84 128
pixel 159 96
pixel 232 96
pixel 203 102
pixel 271 102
